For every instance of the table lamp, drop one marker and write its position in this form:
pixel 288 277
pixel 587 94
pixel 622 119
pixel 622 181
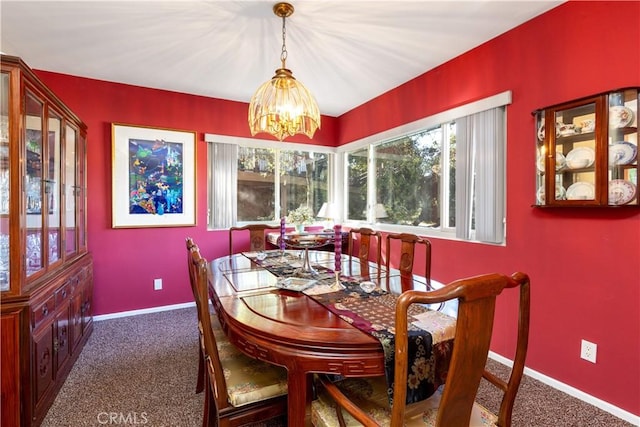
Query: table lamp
pixel 326 212
pixel 380 211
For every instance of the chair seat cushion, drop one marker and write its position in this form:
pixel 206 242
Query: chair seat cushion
pixel 248 380
pixel 370 395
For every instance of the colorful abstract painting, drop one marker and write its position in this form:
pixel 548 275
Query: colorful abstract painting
pixel 155 177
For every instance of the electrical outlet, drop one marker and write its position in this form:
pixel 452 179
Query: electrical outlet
pixel 588 351
pixel 157 284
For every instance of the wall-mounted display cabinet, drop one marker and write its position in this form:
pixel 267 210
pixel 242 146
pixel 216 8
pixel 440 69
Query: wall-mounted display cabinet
pixel 587 151
pixel 46 283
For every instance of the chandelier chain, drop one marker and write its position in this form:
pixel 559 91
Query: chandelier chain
pixel 283 54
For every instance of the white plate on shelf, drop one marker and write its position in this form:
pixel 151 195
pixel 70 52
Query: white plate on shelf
pixel 581 191
pixel 620 116
pixel 580 157
pixel 621 192
pixel 560 162
pixel 541 131
pixel 560 194
pixel 622 153
pixel 540 163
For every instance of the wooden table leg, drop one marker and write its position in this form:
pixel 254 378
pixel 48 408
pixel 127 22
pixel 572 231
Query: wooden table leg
pixel 298 395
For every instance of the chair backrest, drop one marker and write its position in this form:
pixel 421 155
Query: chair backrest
pixel 257 237
pixel 407 253
pixel 510 387
pixel 368 240
pixel 207 337
pixel 192 280
pixel 476 306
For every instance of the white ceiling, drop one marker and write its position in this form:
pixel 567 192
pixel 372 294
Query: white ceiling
pixel 345 52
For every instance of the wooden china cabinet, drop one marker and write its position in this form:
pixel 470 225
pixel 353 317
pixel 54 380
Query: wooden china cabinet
pixel 587 152
pixel 46 282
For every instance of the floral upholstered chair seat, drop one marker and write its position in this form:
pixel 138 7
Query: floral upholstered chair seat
pixel 248 380
pixel 370 394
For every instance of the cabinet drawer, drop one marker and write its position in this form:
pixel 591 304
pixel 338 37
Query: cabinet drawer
pixel 42 311
pixel 63 293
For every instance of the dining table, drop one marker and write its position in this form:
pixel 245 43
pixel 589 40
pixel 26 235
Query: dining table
pixel 272 315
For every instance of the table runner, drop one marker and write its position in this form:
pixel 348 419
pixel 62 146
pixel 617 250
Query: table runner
pixel 430 334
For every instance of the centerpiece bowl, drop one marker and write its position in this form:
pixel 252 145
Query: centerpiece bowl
pixel 306 241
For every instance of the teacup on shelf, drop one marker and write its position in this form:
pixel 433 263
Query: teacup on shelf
pixel 587 126
pixel 566 129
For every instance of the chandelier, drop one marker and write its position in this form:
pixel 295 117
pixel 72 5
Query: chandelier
pixel 282 106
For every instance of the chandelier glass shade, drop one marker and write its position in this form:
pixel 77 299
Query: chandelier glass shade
pixel 283 106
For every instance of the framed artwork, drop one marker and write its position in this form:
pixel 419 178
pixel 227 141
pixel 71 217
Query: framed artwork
pixel 153 177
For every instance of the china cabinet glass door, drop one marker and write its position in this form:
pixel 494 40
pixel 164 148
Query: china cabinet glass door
pixel 4 183
pixel 623 147
pixel 34 109
pixel 574 145
pixel 70 189
pixel 53 188
pixel 81 195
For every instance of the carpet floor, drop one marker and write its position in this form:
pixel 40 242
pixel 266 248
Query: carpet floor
pixel 141 370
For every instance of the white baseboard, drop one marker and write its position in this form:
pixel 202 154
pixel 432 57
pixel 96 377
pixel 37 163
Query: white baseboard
pixel 578 394
pixel 143 311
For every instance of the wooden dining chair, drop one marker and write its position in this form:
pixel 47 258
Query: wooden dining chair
pixel 364 401
pixel 191 246
pixel 405 245
pixel 240 390
pixel 257 237
pixel 509 388
pixel 368 240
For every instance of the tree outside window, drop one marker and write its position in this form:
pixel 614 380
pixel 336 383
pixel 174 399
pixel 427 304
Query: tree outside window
pixel 357 184
pixel 302 180
pixel 413 179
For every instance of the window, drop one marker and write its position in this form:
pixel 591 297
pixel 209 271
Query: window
pixel 256 184
pixel 408 178
pixel 357 170
pixel 441 176
pixel 304 179
pixel 437 176
pixel 261 181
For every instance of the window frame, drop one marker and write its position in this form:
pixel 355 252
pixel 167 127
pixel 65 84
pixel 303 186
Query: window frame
pixel 440 119
pixel 210 139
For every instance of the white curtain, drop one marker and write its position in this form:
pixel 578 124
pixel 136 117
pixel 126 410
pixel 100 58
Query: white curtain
pixel 224 191
pixel 464 178
pixel 480 175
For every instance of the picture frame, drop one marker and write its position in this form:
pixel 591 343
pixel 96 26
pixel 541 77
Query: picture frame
pixel 153 177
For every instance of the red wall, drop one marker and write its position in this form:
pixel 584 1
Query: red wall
pixel 584 263
pixel 127 260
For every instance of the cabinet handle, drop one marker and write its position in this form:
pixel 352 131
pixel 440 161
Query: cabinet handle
pixel 56 345
pixel 44 363
pixel 47 185
pixel 45 310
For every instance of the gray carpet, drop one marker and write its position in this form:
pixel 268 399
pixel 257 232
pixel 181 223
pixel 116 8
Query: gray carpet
pixel 141 370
